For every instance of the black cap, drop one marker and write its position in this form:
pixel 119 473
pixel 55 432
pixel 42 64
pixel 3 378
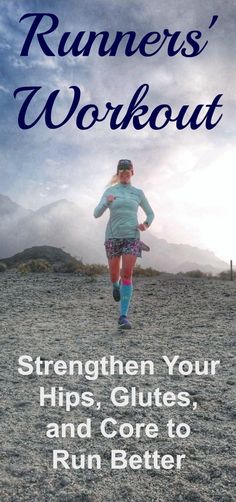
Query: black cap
pixel 124 164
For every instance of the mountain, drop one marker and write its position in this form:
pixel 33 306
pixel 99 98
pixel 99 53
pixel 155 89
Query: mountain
pixel 12 216
pixel 9 209
pixel 50 254
pixel 65 225
pixel 180 257
pixel 55 224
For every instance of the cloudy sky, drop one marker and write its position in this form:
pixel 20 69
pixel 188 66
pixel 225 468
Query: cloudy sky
pixel 188 176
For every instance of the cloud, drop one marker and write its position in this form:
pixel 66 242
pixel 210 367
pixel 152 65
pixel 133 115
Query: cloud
pixel 4 89
pixel 43 163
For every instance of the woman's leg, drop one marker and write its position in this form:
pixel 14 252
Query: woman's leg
pixel 128 263
pixel 114 269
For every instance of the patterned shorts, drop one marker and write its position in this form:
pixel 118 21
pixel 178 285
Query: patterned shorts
pixel 117 247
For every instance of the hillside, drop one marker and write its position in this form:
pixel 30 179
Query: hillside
pixel 51 254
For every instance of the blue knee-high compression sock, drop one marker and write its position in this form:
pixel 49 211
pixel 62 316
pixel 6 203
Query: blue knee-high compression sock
pixel 126 291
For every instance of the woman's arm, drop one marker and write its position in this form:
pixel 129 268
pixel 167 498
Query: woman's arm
pixel 101 207
pixel 147 209
pixel 103 204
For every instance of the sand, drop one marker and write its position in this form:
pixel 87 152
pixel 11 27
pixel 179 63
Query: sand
pixel 67 317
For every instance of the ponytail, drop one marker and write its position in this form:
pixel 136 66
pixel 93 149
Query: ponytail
pixel 113 180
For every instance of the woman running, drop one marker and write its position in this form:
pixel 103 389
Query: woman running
pixel 122 239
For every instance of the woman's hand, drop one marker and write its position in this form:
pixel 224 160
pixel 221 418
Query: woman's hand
pixel 143 226
pixel 110 198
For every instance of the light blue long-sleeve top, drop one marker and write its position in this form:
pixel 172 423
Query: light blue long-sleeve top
pixel 123 221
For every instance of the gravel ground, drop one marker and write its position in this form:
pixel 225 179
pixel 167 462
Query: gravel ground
pixel 69 317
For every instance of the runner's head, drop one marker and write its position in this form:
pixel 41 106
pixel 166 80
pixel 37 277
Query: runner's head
pixel 124 171
pixel 124 165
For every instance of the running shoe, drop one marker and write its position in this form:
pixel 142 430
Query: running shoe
pixel 123 322
pixel 116 293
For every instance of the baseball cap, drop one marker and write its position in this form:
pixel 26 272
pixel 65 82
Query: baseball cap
pixel 124 164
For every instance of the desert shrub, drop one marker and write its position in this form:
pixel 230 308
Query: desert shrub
pixel 94 269
pixel 196 273
pixel 40 266
pixel 77 266
pixel 23 268
pixel 225 275
pixel 68 268
pixel 34 266
pixel 3 267
pixel 149 271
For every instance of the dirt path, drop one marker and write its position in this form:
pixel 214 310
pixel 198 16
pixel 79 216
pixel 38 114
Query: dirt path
pixel 67 317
